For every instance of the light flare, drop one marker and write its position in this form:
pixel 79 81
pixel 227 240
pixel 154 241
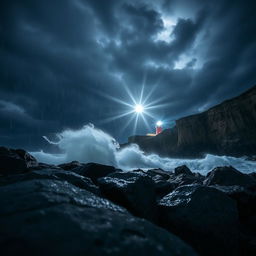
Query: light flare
pixel 138 108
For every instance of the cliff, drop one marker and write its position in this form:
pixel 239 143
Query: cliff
pixel 228 128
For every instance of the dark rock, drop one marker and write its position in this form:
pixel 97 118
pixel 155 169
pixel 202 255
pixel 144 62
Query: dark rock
pixel 253 174
pixel 245 198
pixel 204 217
pixel 199 175
pixel 229 176
pixel 163 188
pixel 70 166
pixel 53 174
pixel 41 193
pixel 185 179
pixel 160 178
pixel 164 144
pixel 94 171
pixel 182 170
pixel 158 172
pixel 42 166
pixel 248 236
pixel 15 160
pixel 49 217
pixel 135 191
pixel 246 204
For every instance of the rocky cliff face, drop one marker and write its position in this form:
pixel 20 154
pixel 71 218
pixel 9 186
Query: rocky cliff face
pixel 228 128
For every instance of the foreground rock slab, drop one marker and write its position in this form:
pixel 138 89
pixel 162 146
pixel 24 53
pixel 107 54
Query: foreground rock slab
pixel 50 217
pixel 53 174
pixel 15 161
pixel 204 217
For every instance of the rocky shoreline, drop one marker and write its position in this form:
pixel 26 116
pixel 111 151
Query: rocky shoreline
pixel 93 209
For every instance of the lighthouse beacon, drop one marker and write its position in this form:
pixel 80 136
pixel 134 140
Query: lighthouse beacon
pixel 159 127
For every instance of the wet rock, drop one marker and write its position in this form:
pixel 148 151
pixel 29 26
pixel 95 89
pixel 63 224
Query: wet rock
pixel 246 204
pixel 229 176
pixel 41 166
pixel 15 160
pixel 163 188
pixel 53 174
pixel 164 184
pixel 94 171
pixel 253 174
pixel 244 197
pixel 160 178
pixel 182 170
pixel 50 217
pixel 185 179
pixel 70 166
pixel 133 190
pixel 204 217
pixel 159 173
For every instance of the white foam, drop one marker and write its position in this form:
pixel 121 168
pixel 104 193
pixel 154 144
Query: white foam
pixel 89 144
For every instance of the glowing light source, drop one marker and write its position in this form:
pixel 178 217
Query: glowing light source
pixel 139 108
pixel 159 123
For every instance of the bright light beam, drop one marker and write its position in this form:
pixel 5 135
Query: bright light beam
pixel 139 108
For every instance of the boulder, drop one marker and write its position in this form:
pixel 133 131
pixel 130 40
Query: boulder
pixel 163 187
pixel 15 160
pixel 185 179
pixel 94 171
pixel 246 204
pixel 160 178
pixel 182 170
pixel 53 174
pixel 229 176
pixel 133 190
pixel 204 217
pixel 70 166
pixel 55 218
pixel 253 174
pixel 245 198
pixel 41 166
pixel 158 172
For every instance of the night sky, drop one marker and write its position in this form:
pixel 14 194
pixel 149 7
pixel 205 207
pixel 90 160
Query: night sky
pixel 67 63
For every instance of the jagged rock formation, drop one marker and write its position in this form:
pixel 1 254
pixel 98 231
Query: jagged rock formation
pixel 228 128
pixel 93 209
pixel 204 216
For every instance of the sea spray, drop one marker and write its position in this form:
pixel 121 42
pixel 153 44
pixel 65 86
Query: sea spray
pixel 90 144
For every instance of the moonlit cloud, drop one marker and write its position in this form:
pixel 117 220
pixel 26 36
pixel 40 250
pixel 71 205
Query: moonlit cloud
pixel 11 107
pixel 166 33
pixel 58 60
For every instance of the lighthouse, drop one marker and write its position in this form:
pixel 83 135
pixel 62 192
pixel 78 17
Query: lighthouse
pixel 159 127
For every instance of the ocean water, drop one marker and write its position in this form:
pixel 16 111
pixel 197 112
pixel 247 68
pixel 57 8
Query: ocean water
pixel 89 144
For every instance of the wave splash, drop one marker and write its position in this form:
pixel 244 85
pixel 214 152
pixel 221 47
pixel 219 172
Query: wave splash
pixel 90 144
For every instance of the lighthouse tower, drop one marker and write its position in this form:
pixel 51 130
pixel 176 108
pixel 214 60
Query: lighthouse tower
pixel 159 127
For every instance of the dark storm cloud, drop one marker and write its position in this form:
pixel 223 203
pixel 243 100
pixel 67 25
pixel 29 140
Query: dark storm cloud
pixel 58 59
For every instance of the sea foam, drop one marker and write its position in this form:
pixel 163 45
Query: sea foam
pixel 90 144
